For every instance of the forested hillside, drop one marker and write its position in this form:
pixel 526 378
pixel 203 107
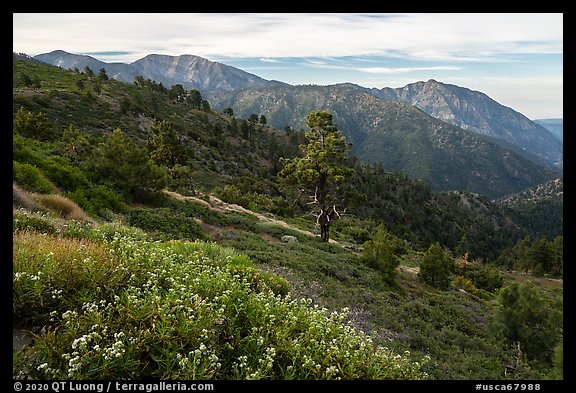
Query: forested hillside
pixel 185 198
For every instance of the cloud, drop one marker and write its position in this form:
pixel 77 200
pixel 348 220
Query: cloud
pixel 395 70
pixel 269 60
pixel 415 36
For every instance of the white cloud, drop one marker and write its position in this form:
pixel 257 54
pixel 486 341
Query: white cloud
pixel 445 36
pixel 396 70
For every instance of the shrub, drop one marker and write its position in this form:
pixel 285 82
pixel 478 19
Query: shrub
pixel 64 174
pixel 31 178
pixel 98 199
pixel 524 318
pixel 461 282
pixel 33 125
pixel 379 253
pixel 436 267
pixel 167 223
pixel 487 278
pixel 25 220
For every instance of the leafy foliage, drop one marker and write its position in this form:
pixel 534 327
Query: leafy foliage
pixel 138 309
pixel 126 166
pixel 165 147
pixel 31 178
pixel 540 256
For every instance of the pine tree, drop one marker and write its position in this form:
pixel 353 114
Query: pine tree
pixel 165 147
pixel 524 318
pixel 126 166
pixel 380 254
pixel 323 167
pixel 436 267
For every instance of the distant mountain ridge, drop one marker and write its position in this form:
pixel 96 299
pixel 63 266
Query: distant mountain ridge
pixel 192 72
pixel 475 111
pixel 465 108
pixel 555 126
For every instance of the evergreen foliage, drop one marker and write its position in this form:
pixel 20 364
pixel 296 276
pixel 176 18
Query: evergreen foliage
pixel 165 147
pixel 538 256
pixel 525 319
pixel 323 166
pixel 122 164
pixel 380 253
pixel 436 267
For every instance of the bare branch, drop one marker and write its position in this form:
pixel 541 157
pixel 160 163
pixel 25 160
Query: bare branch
pixel 297 198
pixel 336 211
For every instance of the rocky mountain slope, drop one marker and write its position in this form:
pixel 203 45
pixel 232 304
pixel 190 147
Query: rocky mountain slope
pixel 475 111
pixel 399 136
pixel 555 126
pixel 552 190
pixel 192 72
pixel 493 150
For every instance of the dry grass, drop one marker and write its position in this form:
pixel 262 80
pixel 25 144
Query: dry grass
pixel 25 199
pixel 30 248
pixel 62 206
pixel 56 203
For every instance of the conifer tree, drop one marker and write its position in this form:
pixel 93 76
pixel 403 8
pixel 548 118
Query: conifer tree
pixel 323 167
pixel 126 166
pixel 524 318
pixel 436 267
pixel 379 252
pixel 165 148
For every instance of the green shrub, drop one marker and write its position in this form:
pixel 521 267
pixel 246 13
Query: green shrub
pixel 484 277
pixel 168 224
pixel 33 125
pixel 379 253
pixel 31 178
pixel 24 220
pixel 436 267
pixel 461 282
pixel 98 199
pixel 61 172
pixel 80 230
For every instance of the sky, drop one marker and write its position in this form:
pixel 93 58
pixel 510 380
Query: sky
pixel 516 59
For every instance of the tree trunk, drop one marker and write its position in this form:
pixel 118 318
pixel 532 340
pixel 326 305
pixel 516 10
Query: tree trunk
pixel 323 217
pixel 324 226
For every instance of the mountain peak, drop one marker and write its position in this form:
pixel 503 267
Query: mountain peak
pixel 192 72
pixel 475 111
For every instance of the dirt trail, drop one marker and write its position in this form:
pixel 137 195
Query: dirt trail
pixel 221 206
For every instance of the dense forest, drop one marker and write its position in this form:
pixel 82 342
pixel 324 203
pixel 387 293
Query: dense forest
pixel 466 287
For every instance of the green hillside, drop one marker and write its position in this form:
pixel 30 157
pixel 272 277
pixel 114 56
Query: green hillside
pixel 161 244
